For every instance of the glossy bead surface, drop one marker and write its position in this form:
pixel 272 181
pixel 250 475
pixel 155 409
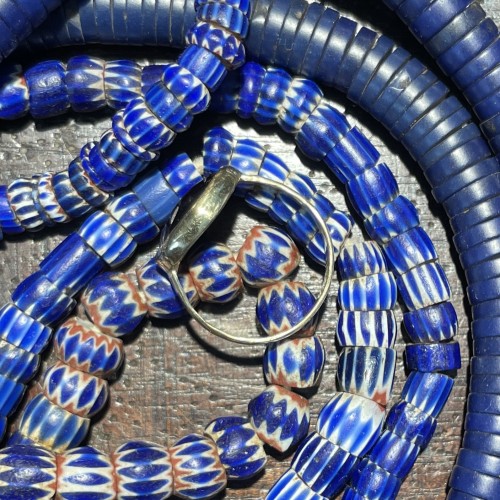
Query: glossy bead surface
pixel 356 260
pixel 85 81
pixel 14 99
pixel 11 393
pixel 433 357
pixel 431 324
pixel 16 363
pixel 373 292
pixel 290 485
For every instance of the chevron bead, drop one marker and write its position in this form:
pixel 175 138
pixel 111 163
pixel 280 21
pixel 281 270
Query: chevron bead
pixel 143 470
pixel 14 97
pixel 224 15
pixel 431 324
pixel 295 363
pixel 266 256
pixel 114 304
pixel 367 372
pixel 118 156
pixel 19 194
pixel 240 450
pixel 360 259
pixel 370 479
pixel 27 472
pixel 16 363
pixel 198 472
pixel 84 185
pixel 205 65
pixel 218 147
pixel 280 417
pixel 215 274
pixel 322 465
pixel 68 197
pixel 11 393
pixel 351 422
pixel 122 82
pixel 81 345
pixel 85 82
pixel 282 305
pixel 85 473
pixel 291 487
pixel 51 426
pixel 48 200
pixel 373 292
pixel 161 299
pixel 75 391
pixel 366 328
pixel 9 222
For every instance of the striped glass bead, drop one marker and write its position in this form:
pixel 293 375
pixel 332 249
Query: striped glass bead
pixel 290 485
pixel 78 343
pixel 431 324
pixel 240 450
pixel 282 305
pixel 122 82
pixel 370 479
pixel 19 194
pixel 14 97
pixel 181 175
pixel 11 393
pixel 9 222
pixel 85 82
pixel 215 273
pixel 85 473
pixel 266 256
pixel 363 259
pixel 112 302
pixel 76 391
pixel 218 148
pixel 205 65
pixel 143 470
pixel 16 363
pixel 295 363
pixel 198 471
pixel 224 15
pixel 68 197
pixel 128 142
pixel 280 417
pixel 118 156
pixel 48 199
pixel 84 185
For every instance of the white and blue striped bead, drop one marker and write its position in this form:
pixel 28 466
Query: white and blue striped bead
pixel 366 328
pixel 363 259
pixel 372 292
pixel 16 363
pixel 14 97
pixel 85 83
pixel 291 487
pixel 122 82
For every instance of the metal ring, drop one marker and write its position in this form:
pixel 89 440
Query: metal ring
pixel 197 219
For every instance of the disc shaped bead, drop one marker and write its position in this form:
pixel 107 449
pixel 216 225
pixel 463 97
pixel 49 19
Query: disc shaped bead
pixel 143 470
pixel 205 65
pixel 280 417
pixel 198 471
pixel 240 450
pixel 85 81
pixel 282 305
pixel 373 292
pixel 370 479
pixel 351 422
pixel 224 15
pixel 294 363
pixel 266 256
pixel 11 393
pixel 215 273
pixel 431 324
pixel 122 82
pixel 433 357
pixel 75 391
pixel 360 259
pixel 27 472
pixel 85 473
pixel 114 304
pixel 367 372
pixel 290 485
pixel 78 343
pixel 47 198
pixel 16 363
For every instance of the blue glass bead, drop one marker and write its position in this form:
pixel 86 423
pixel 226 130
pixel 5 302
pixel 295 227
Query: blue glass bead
pixel 486 310
pixel 486 346
pixel 240 450
pixel 85 82
pixel 51 426
pixel 198 472
pixel 485 365
pixel 431 324
pixel 215 274
pixel 433 357
pixel 218 147
pixel 321 131
pixel 266 256
pixel 290 485
pixel 370 479
pixel 14 98
pixel 372 189
pixel 84 186
pixel 181 174
pixel 27 472
pixel 225 15
pixel 85 473
pixel 243 5
pixel 486 384
pixel 227 47
pixel 482 442
pixel 483 270
pixel 483 403
pixel 16 363
pixel 474 483
pixel 427 391
pixel 115 153
pixel 161 299
pixel 282 305
pixel 9 223
pixel 75 391
pixel 363 259
pixel 48 94
pixel 107 238
pixel 21 330
pixel 127 141
pixel 67 197
pixel 322 465
pixel 484 290
pixel 367 372
pixel 203 64
pixel 20 196
pixel 143 470
pixel 295 363
pixel 41 300
pixel 113 303
pixel 122 82
pixel 78 343
pixel 366 328
pixel 410 423
pixel 424 286
pixel 351 422
pixel 395 218
pixel 272 95
pixel 252 76
pixel 280 417
pixel 485 327
pixel 482 422
pixel 11 393
pixel 372 292
pixel 485 464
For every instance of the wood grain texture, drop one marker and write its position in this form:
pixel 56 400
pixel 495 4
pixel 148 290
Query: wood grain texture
pixel 177 377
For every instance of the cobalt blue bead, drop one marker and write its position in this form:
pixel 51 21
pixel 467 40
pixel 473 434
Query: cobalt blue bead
pixel 41 299
pixel 486 346
pixel 181 174
pixel 218 147
pixel 11 393
pixel 484 270
pixel 486 309
pixel 225 15
pixel 20 197
pixel 486 384
pixel 482 422
pixel 480 254
pixel 485 327
pixel 9 223
pixel 117 155
pixel 290 485
pixel 14 98
pixel 483 403
pixel 85 83
pixel 16 363
pixel 280 417
pixel 252 76
pixel 370 479
pixel 372 292
pixel 122 82
pixel 247 157
pixel 485 365
pixel 431 324
pixel 48 94
pixel 21 330
pixel 477 234
pixel 67 197
pixel 322 465
pixel 243 5
pixel 240 450
pixel 366 328
pixel 84 185
pixel 125 138
pixel 484 291
pixel 203 64
pixel 482 442
pixel 474 483
pixel 480 462
pixel 363 259
pixel 433 357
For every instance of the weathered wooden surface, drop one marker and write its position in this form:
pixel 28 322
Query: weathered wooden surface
pixel 177 377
